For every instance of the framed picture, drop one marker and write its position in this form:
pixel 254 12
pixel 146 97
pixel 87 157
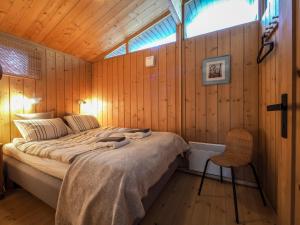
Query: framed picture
pixel 216 70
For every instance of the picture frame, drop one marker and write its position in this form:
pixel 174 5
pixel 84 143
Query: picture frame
pixel 216 70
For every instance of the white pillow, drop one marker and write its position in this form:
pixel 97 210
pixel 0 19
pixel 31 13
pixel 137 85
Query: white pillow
pixel 42 129
pixel 80 123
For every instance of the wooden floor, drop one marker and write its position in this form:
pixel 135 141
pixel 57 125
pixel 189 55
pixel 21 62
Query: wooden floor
pixel 179 204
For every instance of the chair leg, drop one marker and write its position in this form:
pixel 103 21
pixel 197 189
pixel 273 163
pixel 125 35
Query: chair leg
pixel 221 174
pixel 1 191
pixel 203 176
pixel 234 196
pixel 258 184
pixel 1 194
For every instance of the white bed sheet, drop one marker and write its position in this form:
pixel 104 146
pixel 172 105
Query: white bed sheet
pixel 48 166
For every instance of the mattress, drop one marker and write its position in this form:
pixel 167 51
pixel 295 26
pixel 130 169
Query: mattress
pixel 49 166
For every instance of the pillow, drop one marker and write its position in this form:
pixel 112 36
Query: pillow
pixel 29 116
pixel 82 122
pixel 42 129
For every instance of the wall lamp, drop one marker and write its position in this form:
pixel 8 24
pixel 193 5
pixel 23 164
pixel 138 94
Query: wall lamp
pixel 35 101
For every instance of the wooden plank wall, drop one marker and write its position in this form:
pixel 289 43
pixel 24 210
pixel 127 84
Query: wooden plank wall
pixel 65 79
pixel 128 94
pixel 131 95
pixel 210 111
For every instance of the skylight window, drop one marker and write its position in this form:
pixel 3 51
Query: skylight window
pixel 161 33
pixel 119 51
pixel 206 16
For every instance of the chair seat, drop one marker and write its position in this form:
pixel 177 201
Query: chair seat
pixel 229 160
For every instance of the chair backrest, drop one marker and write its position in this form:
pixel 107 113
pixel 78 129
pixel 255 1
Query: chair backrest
pixel 240 143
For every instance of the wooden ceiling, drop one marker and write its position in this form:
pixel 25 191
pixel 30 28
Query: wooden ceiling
pixel 84 28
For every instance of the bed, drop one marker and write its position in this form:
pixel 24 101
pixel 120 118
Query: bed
pixel 45 177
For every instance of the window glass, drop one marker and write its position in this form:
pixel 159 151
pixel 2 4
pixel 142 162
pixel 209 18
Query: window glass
pixel 163 32
pixel 204 16
pixel 119 51
pixel 271 11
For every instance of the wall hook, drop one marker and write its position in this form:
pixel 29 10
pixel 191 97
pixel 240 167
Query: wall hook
pixel 264 44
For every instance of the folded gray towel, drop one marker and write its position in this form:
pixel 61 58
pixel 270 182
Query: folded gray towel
pixel 109 139
pixel 145 130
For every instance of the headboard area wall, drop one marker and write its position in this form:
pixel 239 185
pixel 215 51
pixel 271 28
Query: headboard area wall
pixel 64 80
pixel 129 94
pixel 133 95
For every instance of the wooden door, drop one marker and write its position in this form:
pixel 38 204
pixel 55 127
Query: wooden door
pixel 277 77
pixel 286 78
pixel 297 167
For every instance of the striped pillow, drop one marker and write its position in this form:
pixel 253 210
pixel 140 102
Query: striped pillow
pixel 42 129
pixel 82 122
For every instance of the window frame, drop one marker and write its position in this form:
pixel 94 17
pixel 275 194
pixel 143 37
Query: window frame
pixel 115 49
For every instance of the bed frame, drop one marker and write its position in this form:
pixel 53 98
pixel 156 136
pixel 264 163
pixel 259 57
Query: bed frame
pixel 46 187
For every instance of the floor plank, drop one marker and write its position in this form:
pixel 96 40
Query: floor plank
pixel 178 204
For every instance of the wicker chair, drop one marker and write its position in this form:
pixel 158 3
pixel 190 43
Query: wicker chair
pixel 238 153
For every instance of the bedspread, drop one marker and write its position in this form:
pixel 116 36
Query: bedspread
pixel 107 187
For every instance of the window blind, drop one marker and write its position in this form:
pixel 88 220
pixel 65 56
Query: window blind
pixel 19 58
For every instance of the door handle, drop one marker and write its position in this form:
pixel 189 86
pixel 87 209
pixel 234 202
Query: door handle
pixel 283 107
pixel 275 107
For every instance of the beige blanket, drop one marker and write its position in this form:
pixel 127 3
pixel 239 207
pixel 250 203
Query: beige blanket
pixel 107 187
